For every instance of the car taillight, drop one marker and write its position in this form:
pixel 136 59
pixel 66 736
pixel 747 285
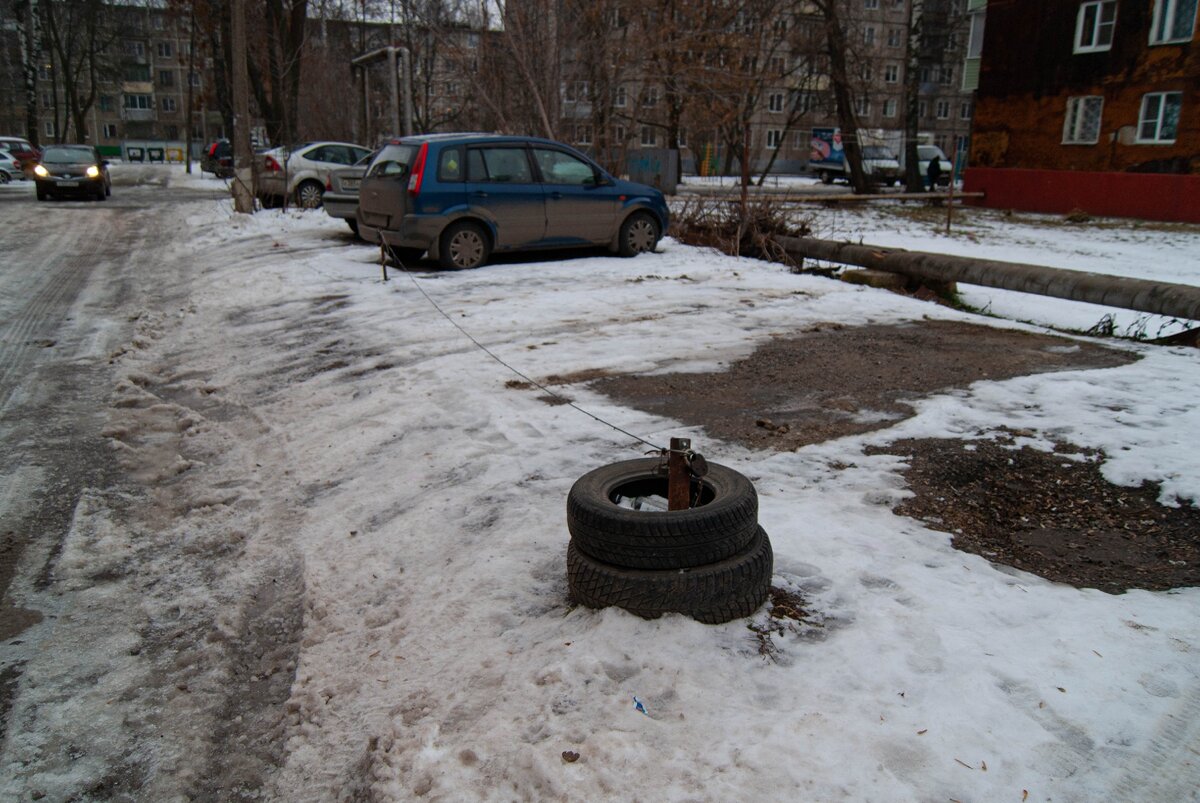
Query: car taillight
pixel 273 165
pixel 418 170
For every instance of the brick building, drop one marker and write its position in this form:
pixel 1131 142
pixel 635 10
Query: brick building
pixel 1089 105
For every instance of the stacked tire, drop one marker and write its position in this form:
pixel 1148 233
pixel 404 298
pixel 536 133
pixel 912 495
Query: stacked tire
pixel 712 562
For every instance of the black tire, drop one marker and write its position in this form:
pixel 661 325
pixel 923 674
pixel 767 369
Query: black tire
pixel 100 194
pixel 353 224
pixel 825 176
pixel 5 177
pixel 309 194
pixel 404 256
pixel 719 592
pixel 639 234
pixel 41 193
pixel 464 246
pixel 722 525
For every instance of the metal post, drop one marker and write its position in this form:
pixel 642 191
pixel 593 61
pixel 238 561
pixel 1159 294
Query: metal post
pixel 679 479
pixel 394 91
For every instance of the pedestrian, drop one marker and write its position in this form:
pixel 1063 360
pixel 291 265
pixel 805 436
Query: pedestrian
pixel 933 173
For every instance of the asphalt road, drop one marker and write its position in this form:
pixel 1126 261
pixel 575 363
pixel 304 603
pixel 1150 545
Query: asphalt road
pixel 79 282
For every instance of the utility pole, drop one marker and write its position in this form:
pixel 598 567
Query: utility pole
pixel 243 197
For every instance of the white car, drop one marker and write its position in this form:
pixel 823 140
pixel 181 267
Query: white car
pixel 301 173
pixel 10 168
pixel 926 154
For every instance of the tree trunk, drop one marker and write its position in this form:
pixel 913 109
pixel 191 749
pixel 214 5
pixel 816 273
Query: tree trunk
pixel 191 66
pixel 243 196
pixel 912 90
pixel 840 78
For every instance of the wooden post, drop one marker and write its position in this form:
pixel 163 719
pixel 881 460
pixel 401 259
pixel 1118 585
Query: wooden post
pixel 679 478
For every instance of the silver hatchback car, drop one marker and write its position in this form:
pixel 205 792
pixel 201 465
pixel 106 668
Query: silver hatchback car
pixel 301 173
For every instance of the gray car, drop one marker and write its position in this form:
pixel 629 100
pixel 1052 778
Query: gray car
pixel 10 168
pixel 341 191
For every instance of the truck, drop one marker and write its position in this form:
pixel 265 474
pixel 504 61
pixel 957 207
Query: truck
pixel 828 158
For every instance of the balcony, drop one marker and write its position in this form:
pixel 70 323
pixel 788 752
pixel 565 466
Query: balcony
pixel 139 115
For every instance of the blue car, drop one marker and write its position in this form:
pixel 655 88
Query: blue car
pixel 463 197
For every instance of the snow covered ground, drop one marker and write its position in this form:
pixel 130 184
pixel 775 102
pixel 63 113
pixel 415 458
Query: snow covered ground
pixel 339 420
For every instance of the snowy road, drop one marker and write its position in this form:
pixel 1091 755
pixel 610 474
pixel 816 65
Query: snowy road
pixel 284 534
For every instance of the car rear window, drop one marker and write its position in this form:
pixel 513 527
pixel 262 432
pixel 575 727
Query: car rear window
pixel 394 160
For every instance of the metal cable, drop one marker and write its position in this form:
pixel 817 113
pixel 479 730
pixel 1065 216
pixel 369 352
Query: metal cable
pixel 534 382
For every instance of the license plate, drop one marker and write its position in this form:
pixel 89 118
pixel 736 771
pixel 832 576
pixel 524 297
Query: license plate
pixel 68 183
pixel 350 183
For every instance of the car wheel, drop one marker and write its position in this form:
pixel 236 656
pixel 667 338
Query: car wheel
pixel 101 195
pixel 639 234
pixel 41 193
pixel 353 224
pixel 309 194
pixel 723 522
pixel 718 592
pixel 5 177
pixel 825 176
pixel 464 246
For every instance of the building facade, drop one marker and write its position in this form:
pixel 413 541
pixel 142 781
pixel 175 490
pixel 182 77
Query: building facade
pixel 1091 105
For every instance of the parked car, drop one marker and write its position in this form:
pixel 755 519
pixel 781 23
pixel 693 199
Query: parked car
pixel 925 154
pixel 341 191
pixel 23 152
pixel 10 167
pixel 300 174
pixel 462 197
pixel 72 170
pixel 218 159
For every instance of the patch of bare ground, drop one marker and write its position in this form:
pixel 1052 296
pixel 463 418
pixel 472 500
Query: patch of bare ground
pixel 1047 513
pixel 833 380
pixel 1050 513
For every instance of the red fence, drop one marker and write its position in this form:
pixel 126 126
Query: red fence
pixel 1148 196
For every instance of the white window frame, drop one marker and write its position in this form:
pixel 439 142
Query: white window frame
pixel 964 110
pixel 1095 35
pixel 1159 99
pixel 889 107
pixel 869 35
pixel 169 105
pixel 583 135
pixel 774 139
pixel 1162 29
pixel 110 130
pixel 891 73
pixel 622 97
pixel 942 110
pixel 1077 116
pixel 775 102
pixel 870 4
pixel 895 37
pixel 649 137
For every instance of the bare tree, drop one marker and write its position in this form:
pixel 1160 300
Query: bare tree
pixel 843 92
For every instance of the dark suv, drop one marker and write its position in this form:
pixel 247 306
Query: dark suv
pixel 462 197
